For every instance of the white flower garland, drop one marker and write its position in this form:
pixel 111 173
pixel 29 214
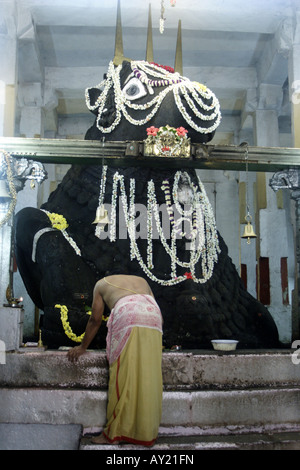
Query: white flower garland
pixel 170 82
pixel 203 237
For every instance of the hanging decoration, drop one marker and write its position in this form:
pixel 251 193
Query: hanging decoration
pixel 248 231
pixel 167 142
pixel 66 325
pixel 101 217
pixel 162 17
pixel 12 195
pixel 101 210
pixel 194 212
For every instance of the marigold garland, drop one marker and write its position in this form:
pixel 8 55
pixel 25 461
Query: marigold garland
pixel 58 221
pixel 66 325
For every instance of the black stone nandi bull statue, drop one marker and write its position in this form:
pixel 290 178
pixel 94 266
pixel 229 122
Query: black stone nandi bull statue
pixel 61 253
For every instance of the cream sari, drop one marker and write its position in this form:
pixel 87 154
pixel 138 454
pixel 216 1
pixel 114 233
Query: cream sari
pixel 134 351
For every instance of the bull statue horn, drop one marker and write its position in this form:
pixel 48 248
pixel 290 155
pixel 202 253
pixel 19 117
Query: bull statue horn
pixel 149 50
pixel 178 56
pixel 119 53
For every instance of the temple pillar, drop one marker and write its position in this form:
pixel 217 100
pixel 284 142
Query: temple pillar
pixel 31 101
pixel 31 110
pixel 294 81
pixel 296 294
pixel 274 255
pixel 8 43
pixel 294 87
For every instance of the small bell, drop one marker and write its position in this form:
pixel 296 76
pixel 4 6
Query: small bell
pixel 101 216
pixel 248 232
pixel 4 194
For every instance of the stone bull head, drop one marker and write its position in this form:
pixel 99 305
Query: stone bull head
pixel 137 94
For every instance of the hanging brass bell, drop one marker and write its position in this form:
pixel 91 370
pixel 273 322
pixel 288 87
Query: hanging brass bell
pixel 4 194
pixel 249 232
pixel 101 216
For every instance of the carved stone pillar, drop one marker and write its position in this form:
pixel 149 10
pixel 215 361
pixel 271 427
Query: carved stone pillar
pixel 290 179
pixel 17 172
pixel 274 244
pixel 294 80
pixel 8 47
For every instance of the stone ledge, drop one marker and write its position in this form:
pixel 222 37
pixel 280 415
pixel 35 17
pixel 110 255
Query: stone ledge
pixel 39 436
pixel 196 370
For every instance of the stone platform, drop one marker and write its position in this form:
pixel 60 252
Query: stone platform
pixel 238 399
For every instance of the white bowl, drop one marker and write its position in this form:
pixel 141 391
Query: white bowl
pixel 224 344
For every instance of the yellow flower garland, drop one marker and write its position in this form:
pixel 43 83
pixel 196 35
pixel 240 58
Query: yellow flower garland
pixel 58 221
pixel 66 325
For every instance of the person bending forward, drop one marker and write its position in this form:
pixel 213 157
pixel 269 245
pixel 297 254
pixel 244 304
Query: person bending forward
pixel 134 353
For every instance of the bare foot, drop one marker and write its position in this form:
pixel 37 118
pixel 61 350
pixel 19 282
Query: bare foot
pixel 101 439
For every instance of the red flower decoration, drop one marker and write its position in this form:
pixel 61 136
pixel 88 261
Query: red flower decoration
pixel 188 275
pixel 181 131
pixel 165 149
pixel 152 131
pixel 166 67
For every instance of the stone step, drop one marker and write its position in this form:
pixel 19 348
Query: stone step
pixel 201 389
pixel 178 439
pixel 190 439
pixel 194 408
pixel 196 370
